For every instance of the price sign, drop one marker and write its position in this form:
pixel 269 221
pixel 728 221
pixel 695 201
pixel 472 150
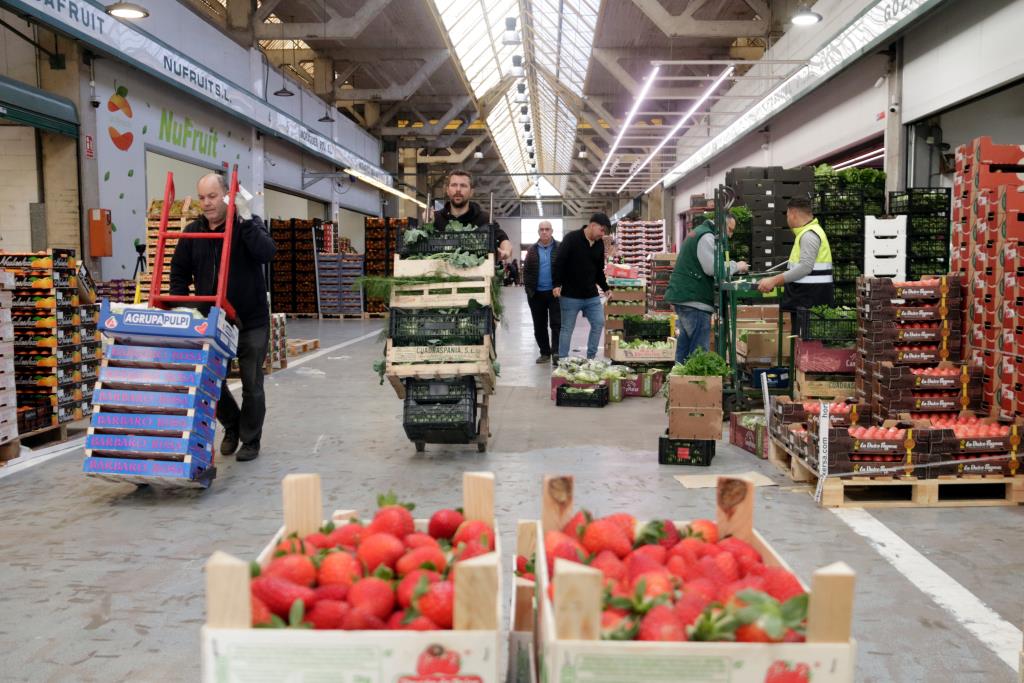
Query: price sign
pixel 823 427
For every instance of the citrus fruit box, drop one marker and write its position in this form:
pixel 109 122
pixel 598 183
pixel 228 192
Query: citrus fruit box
pixel 566 628
pixel 469 652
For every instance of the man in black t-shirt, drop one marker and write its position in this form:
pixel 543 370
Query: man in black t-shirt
pixel 459 190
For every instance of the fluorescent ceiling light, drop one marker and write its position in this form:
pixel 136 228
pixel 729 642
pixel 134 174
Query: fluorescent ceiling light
pixel 675 129
pixel 872 153
pixel 478 155
pixel 805 17
pixel 860 161
pixel 625 125
pixel 127 10
pixel 381 186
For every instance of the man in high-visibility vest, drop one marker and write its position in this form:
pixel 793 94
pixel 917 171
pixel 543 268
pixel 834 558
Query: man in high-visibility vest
pixel 808 278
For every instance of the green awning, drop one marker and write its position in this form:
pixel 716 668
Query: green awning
pixel 31 106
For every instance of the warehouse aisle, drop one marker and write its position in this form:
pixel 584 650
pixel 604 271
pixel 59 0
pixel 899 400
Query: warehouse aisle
pixel 109 578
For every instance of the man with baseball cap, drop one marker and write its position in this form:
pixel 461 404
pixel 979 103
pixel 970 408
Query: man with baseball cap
pixel 578 272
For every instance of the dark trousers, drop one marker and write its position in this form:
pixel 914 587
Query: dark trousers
pixel 247 422
pixel 544 306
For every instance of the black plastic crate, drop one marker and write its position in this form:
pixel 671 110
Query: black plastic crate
pixel 598 398
pixel 650 329
pixel 695 452
pixel 841 201
pixel 843 226
pixel 846 272
pixel 921 200
pixel 479 242
pixel 778 377
pixel 441 422
pixel 811 325
pixel 928 226
pixel 845 295
pixel 925 250
pixel 440 390
pixel 432 326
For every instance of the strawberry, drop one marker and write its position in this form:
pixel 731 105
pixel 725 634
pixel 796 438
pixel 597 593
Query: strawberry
pixel 334 591
pixel 318 539
pixel 779 672
pixel 521 563
pixel 748 633
pixel 437 603
pixel 727 592
pixel 609 565
pixel 657 553
pixel 444 523
pixel 418 540
pixel 439 662
pixel 606 534
pixel 690 607
pixel 375 596
pixel 339 567
pixel 577 524
pixel 679 568
pixel 702 587
pixel 422 558
pixel 475 530
pixel 714 624
pixel 553 539
pixel 358 619
pixel 420 623
pixel 639 563
pixel 661 624
pixel 764 619
pixel 294 544
pixel 781 584
pixel 465 551
pixel 392 519
pixel 618 624
pixel 721 568
pixel 626 522
pixel 280 594
pixel 347 536
pixel 654 584
pixel 792 636
pixel 328 614
pixel 394 622
pixel 660 532
pixel 703 528
pixel 407 586
pixel 295 568
pixel 744 553
pixel 380 549
pixel 260 612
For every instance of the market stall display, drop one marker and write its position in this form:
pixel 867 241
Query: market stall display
pixel 293 283
pixel 636 241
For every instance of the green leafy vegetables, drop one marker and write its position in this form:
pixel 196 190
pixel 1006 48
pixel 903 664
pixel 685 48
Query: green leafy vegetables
pixel 702 364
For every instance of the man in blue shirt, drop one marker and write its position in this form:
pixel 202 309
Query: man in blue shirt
pixel 539 284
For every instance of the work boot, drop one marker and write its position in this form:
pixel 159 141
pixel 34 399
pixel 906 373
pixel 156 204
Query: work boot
pixel 229 444
pixel 249 451
pixel 543 358
pixel 554 359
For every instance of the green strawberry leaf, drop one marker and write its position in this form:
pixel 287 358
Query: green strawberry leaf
pixel 280 553
pixel 276 622
pixel 327 528
pixel 254 569
pixel 420 590
pixel 460 511
pixel 430 566
pixel 794 610
pixel 773 626
pixel 620 603
pixel 650 534
pixel 383 572
pixel 296 613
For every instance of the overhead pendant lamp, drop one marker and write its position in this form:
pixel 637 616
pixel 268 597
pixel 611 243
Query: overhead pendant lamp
pixel 127 10
pixel 804 16
pixel 326 118
pixel 283 91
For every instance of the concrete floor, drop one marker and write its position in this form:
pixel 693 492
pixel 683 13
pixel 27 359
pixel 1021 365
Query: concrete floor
pixel 104 581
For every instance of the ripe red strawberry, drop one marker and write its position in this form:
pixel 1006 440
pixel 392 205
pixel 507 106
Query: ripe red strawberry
pixel 444 523
pixel 420 623
pixel 359 619
pixel 781 584
pixel 295 568
pixel 339 567
pixel 728 592
pixel 328 614
pixel 577 524
pixel 422 558
pixel 334 591
pixel 626 522
pixel 721 568
pixel 751 633
pixel 260 612
pixel 476 530
pixel 394 622
pixel 374 595
pixel 606 534
pixel 661 624
pixel 380 549
pixel 438 603
pixel 659 532
pixel 678 567
pixel 658 553
pixel 744 553
pixel 418 540
pixel 655 583
pixel 794 637
pixel 295 545
pixel 347 536
pixel 318 539
pixel 394 520
pixel 564 551
pixel 280 594
pixel 521 563
pixel 437 661
pixel 407 586
pixel 689 607
pixel 618 624
pixel 608 564
pixel 779 672
pixel 465 551
pixel 639 563
pixel 553 539
pixel 703 528
pixel 702 587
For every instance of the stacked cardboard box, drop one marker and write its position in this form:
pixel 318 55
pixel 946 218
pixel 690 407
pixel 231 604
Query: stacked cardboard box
pixel 8 396
pixel 657 282
pixel 694 417
pixel 766 191
pixel 293 270
pixel 637 240
pixel 336 277
pixel 381 239
pixel 117 291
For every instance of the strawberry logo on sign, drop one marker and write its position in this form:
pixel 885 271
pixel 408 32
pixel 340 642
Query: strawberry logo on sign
pixel 111 323
pixel 201 328
pixel 437 664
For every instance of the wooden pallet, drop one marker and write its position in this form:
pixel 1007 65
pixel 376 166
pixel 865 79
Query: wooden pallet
pixel 899 492
pixel 483 371
pixel 812 386
pixel 305 316
pixel 298 347
pixel 342 316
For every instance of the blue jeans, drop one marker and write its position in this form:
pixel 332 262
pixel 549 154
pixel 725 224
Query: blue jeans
pixel 594 313
pixel 694 331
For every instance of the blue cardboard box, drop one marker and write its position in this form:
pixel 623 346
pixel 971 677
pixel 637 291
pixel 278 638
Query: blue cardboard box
pixel 179 328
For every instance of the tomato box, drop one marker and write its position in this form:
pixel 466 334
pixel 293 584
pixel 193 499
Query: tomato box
pixel 816 356
pixel 569 623
pixel 753 438
pixel 645 384
pixel 469 653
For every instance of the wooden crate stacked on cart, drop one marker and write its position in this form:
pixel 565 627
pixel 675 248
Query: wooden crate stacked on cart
pixel 179 216
pixel 47 338
pixel 9 443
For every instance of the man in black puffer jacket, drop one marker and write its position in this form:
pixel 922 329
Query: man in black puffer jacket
pixel 196 263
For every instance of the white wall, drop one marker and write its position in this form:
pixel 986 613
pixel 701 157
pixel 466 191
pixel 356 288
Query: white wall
pixel 17 58
pixel 19 186
pixel 283 164
pixel 186 176
pixel 279 204
pixel 962 50
pixel 353 226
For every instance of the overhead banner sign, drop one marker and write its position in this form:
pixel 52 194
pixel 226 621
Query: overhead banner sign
pixel 90 23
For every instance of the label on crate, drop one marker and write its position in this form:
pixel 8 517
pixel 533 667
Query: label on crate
pixel 169 356
pixel 199 448
pixel 184 328
pixel 144 468
pixel 199 423
pixel 147 399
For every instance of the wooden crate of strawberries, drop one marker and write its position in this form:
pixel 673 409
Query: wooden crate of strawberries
pixel 390 599
pixel 668 601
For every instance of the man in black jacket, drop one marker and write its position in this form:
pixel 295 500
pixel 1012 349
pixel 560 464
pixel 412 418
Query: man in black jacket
pixel 196 263
pixel 539 281
pixel 459 189
pixel 579 270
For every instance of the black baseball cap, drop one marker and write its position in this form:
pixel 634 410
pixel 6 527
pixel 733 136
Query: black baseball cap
pixel 601 219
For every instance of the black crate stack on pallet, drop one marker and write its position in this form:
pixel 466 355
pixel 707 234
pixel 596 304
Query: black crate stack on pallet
pixel 337 275
pixel 928 228
pixel 293 270
pixel 765 191
pixel 841 213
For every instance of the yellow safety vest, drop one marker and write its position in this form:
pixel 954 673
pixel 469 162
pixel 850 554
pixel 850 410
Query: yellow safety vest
pixel 822 273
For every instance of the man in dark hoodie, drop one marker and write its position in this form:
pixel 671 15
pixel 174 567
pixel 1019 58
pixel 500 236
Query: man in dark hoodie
pixel 196 263
pixel 459 189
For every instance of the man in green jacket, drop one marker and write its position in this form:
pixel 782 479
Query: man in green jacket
pixel 691 290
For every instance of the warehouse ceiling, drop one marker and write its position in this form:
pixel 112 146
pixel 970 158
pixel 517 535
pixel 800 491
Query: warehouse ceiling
pixel 438 79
